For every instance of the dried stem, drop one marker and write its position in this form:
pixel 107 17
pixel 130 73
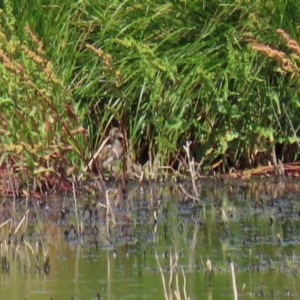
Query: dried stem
pixel 89 165
pixel 24 219
pixel 168 291
pixel 162 277
pixel 109 213
pixel 75 205
pixel 191 163
pixel 233 281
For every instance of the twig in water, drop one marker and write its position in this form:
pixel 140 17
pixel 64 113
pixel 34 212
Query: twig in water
pixel 27 245
pixel 162 277
pixel 191 163
pixel 13 191
pixel 22 221
pixel 184 284
pixel 233 281
pixel 109 212
pixel 173 270
pixel 209 271
pixel 75 204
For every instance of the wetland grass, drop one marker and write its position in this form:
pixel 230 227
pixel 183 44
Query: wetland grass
pixel 19 254
pixel 202 75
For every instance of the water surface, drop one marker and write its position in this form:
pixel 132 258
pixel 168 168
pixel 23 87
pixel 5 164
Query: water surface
pixel 122 246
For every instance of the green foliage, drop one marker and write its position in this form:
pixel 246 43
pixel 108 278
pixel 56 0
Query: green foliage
pixel 184 71
pixel 40 131
pixel 165 72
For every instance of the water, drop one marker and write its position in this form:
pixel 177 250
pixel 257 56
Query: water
pixel 126 249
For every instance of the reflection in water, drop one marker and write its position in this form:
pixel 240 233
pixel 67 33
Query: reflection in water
pixel 154 241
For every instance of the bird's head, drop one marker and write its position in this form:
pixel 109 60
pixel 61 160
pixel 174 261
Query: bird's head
pixel 115 134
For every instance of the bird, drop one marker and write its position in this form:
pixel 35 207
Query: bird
pixel 112 152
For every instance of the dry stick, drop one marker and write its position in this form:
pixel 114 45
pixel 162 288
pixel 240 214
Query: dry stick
pixel 109 210
pixel 200 165
pixel 184 284
pixel 107 213
pixel 171 271
pixel 22 221
pixel 177 291
pixel 3 248
pixel 187 194
pixel 89 165
pixel 233 281
pixel 224 216
pixel 34 254
pixel 7 221
pixel 191 166
pixel 75 204
pixel 45 251
pixel 26 220
pixel 209 270
pixel 27 254
pixel 13 192
pixel 162 277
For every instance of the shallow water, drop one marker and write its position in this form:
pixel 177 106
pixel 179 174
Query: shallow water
pixel 124 251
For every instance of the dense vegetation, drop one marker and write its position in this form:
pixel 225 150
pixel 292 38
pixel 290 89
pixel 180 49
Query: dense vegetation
pixel 164 72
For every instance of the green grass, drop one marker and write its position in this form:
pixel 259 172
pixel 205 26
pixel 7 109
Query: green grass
pixel 182 71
